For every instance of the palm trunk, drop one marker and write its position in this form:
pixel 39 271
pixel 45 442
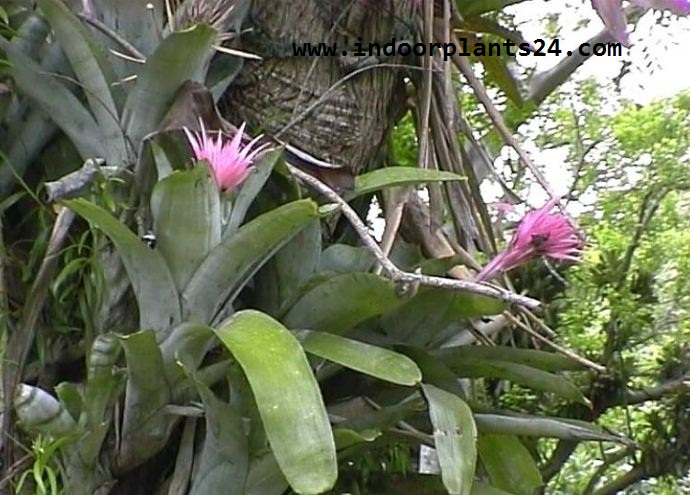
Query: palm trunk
pixel 332 107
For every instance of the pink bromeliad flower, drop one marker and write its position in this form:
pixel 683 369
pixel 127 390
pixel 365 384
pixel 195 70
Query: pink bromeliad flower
pixel 229 161
pixel 540 233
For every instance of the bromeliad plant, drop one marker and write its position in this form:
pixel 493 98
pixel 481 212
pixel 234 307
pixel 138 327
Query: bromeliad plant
pixel 264 356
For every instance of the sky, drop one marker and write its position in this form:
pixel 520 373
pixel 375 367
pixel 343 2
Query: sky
pixel 660 57
pixel 667 48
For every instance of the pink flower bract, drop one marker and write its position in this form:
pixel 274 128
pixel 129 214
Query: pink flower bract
pixel 540 233
pixel 229 161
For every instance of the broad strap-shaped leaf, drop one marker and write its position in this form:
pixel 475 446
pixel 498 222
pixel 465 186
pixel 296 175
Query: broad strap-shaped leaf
pixel 69 395
pixel 145 427
pixel 455 438
pixel 518 373
pixel 279 282
pixel 140 23
pixel 180 57
pixel 31 36
pixel 228 267
pixel 154 287
pixel 38 411
pixel 342 302
pixel 345 437
pixel 374 361
pixel 383 418
pixel 223 463
pixel 288 399
pixel 434 371
pixel 435 312
pixel 509 464
pixel 56 101
pixel 399 176
pixel 250 188
pixel 479 488
pixel 26 140
pixel 102 383
pixel 543 360
pixel 187 344
pixel 186 220
pixel 342 258
pixel 538 426
pixel 90 67
pixel 265 477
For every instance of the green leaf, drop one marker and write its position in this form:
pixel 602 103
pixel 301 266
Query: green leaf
pixel 186 220
pixel 434 371
pixel 537 426
pixel 154 287
pixel 102 384
pixel 342 302
pixel 38 411
pixel 479 488
pixel 180 57
pixel 265 477
pixel 341 258
pixel 224 460
pixel 228 267
pixel 372 360
pixel 288 398
pixel 547 361
pixel 509 464
pixel 138 22
pixel 70 397
pixel 280 280
pixel 90 67
pixel 56 101
pixel 398 176
pixel 250 188
pixel 518 373
pixel 384 418
pixel 145 427
pixel 345 437
pixel 187 343
pixel 455 437
pixel 433 312
pixel 160 157
pixel 466 305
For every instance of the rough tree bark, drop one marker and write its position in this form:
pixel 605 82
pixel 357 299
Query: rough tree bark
pixel 355 110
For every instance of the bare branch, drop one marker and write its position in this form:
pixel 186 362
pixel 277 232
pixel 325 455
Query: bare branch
pixel 636 474
pixel 495 116
pixel 562 350
pixel 655 393
pixel 75 183
pixel 395 273
pixel 544 83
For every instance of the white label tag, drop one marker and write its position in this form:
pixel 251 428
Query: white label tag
pixel 428 460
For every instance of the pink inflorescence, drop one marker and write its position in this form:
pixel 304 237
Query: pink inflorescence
pixel 540 233
pixel 229 161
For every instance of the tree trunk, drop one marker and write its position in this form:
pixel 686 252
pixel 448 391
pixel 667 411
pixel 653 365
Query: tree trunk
pixel 356 106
